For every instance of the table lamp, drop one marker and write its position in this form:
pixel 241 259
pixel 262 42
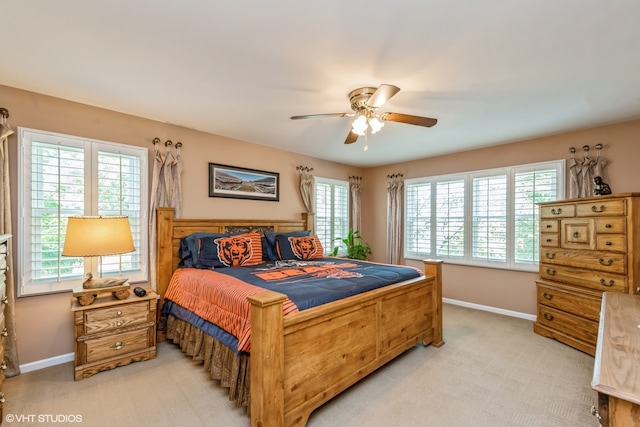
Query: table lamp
pixel 98 236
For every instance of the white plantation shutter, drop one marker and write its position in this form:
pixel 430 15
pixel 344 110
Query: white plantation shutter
pixel 332 211
pixel 486 218
pixel 67 176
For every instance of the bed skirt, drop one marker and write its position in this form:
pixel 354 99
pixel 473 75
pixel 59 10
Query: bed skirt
pixel 220 362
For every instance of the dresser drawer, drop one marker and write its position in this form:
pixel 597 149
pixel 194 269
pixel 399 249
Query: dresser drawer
pixel 578 327
pixel 548 226
pixel 578 234
pixel 611 225
pixel 116 345
pixel 611 242
pixel 602 208
pixel 570 301
pixel 110 318
pixel 550 240
pixel 595 260
pixel 558 211
pixel 586 278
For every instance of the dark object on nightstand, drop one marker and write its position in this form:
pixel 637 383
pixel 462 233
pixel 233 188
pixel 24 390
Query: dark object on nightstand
pixel 600 188
pixel 139 292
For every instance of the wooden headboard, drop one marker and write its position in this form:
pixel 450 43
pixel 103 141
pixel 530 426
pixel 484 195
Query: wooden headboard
pixel 171 230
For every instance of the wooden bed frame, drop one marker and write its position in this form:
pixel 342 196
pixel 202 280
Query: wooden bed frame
pixel 301 361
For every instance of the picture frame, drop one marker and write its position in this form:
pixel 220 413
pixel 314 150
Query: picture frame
pixel 242 183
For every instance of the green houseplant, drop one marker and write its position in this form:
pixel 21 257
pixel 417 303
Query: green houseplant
pixel 356 249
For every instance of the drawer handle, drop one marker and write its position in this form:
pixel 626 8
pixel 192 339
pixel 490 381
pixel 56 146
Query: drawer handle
pixel 548 225
pixel 551 255
pixel 119 313
pixel 548 240
pixel 118 345
pixel 4 332
pixel 547 296
pixel 576 235
pixel 611 282
pixel 555 211
pixel 606 263
pixel 607 243
pixel 551 272
pixel 118 323
pixel 548 316
pixel 607 226
pixel 3 365
pixel 594 209
pixel 595 413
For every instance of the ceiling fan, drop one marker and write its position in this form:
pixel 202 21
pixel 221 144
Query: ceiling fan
pixel 365 102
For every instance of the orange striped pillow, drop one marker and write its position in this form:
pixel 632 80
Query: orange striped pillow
pixel 230 251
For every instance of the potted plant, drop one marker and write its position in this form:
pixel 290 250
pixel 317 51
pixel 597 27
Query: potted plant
pixel 356 249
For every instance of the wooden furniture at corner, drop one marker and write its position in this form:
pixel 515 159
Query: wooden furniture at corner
pixel 301 361
pixel 4 243
pixel 587 246
pixel 111 333
pixel 616 371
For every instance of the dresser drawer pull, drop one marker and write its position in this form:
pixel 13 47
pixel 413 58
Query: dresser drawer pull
pixel 551 272
pixel 548 225
pixel 607 226
pixel 118 323
pixel 555 211
pixel 551 255
pixel 594 209
pixel 611 282
pixel 606 263
pixel 4 332
pixel 119 313
pixel 607 243
pixel 548 240
pixel 548 316
pixel 547 296
pixel 118 345
pixel 3 365
pixel 1 397
pixel 576 235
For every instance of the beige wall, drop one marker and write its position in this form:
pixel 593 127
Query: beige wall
pixel 44 323
pixel 508 290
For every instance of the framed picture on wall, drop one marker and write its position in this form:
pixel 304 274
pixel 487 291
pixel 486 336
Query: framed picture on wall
pixel 241 183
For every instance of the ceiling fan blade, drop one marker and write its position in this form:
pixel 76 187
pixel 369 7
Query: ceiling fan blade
pixel 313 116
pixel 382 95
pixel 408 119
pixel 351 138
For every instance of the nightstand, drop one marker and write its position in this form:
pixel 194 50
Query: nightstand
pixel 111 333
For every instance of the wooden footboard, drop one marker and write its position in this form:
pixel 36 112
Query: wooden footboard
pixel 301 361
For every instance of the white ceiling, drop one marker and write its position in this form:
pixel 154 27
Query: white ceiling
pixel 491 72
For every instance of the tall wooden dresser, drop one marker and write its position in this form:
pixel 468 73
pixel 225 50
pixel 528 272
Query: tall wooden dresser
pixel 4 242
pixel 587 246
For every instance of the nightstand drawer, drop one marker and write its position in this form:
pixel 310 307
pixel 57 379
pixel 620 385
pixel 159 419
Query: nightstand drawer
pixel 116 345
pixel 105 319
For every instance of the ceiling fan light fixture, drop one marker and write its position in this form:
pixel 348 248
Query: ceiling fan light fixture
pixel 359 125
pixel 375 124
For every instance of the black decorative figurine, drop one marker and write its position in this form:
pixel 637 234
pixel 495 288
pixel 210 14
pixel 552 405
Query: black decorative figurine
pixel 600 188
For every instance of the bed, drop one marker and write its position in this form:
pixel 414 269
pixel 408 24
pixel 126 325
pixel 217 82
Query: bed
pixel 300 360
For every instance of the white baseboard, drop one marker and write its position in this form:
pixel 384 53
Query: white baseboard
pixel 64 358
pixel 491 309
pixel 46 363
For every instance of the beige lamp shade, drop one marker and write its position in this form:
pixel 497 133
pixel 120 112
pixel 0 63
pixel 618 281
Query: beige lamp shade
pixel 98 236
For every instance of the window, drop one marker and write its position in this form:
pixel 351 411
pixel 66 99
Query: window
pixel 485 218
pixel 332 211
pixel 66 176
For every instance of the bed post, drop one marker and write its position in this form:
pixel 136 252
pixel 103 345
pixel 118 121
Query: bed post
pixel 267 359
pixel 433 268
pixel 164 263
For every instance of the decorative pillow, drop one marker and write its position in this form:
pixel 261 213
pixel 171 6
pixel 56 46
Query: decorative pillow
pixel 302 248
pixel 272 253
pixel 230 251
pixel 189 252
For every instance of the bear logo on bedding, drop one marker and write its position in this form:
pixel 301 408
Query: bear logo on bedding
pixel 303 247
pixel 234 251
